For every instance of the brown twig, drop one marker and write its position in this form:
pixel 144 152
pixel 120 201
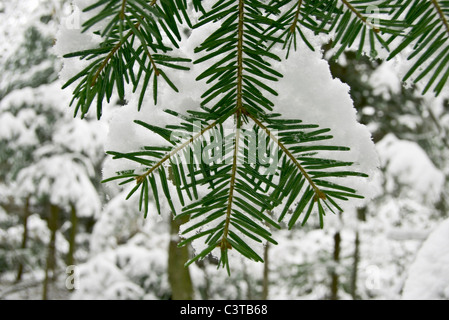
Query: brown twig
pixel 176 150
pixel 441 14
pixel 318 193
pixel 110 55
pixel 224 244
pixel 360 16
pixel 122 11
pixel 295 21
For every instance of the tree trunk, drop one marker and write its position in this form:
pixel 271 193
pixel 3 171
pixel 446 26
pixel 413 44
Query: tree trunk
pixel 204 292
pixel 26 214
pixel 248 280
pixel 355 266
pixel 51 253
pixel 178 274
pixel 265 281
pixel 334 283
pixel 72 236
pixel 361 216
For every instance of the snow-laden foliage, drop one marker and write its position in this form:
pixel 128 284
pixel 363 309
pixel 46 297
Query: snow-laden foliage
pixel 33 257
pixel 401 216
pixel 60 180
pixel 128 252
pixel 130 272
pixel 32 124
pixel 244 77
pixel 41 160
pixel 26 58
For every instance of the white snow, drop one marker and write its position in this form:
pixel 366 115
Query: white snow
pixel 406 163
pixel 83 137
pixel 385 81
pixel 309 92
pixel 428 276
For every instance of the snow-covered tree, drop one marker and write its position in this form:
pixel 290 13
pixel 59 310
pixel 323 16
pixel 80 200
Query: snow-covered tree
pixel 27 28
pixel 399 218
pixel 128 256
pixel 43 168
pixel 49 163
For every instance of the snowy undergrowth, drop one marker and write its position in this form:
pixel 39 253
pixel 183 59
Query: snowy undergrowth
pixel 128 255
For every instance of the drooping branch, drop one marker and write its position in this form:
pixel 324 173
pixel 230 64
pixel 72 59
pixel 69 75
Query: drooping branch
pixel 239 190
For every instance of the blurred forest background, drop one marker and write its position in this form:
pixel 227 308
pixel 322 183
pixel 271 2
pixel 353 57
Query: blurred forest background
pixel 64 235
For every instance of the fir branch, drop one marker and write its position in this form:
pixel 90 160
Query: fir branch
pixel 232 213
pixel 224 244
pixel 120 44
pixel 115 58
pixel 429 38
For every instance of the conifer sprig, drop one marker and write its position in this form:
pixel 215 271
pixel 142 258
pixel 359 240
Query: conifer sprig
pixel 234 186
